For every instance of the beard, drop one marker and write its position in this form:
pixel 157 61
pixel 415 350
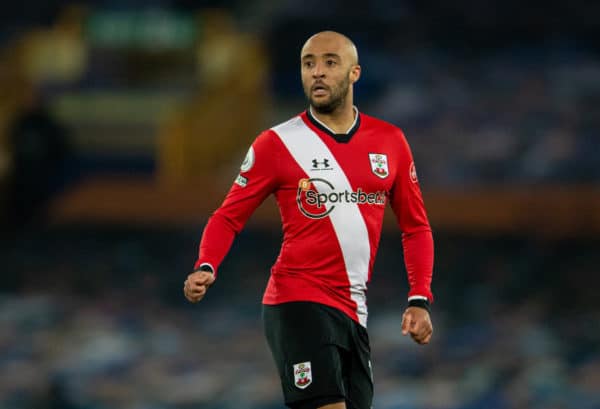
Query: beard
pixel 337 97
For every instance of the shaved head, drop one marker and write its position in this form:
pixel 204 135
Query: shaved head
pixel 336 41
pixel 329 62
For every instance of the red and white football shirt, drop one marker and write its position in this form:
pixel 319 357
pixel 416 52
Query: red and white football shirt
pixel 331 191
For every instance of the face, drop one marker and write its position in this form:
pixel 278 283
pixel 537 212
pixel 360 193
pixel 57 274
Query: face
pixel 328 70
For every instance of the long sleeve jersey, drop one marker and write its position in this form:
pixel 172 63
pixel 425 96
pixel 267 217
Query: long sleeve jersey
pixel 331 190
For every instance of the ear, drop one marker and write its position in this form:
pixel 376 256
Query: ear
pixel 354 73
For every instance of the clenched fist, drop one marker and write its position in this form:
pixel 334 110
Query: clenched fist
pixel 417 323
pixel 197 284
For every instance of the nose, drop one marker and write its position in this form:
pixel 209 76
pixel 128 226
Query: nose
pixel 318 71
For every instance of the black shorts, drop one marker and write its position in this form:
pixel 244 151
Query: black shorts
pixel 322 355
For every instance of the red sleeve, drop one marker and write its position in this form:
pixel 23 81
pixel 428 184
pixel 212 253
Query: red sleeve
pixel 257 179
pixel 417 241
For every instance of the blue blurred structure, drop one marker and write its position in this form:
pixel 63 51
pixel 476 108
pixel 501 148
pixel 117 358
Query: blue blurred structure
pixel 497 94
pixel 99 313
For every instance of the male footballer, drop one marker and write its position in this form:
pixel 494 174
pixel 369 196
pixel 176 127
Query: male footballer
pixel 332 170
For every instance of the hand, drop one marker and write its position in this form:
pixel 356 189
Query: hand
pixel 416 322
pixel 196 285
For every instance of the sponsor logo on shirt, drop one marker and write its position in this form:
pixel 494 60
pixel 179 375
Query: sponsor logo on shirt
pixel 379 164
pixel 320 164
pixel 317 204
pixel 302 375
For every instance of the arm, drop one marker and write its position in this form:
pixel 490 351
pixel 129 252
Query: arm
pixel 417 241
pixel 257 179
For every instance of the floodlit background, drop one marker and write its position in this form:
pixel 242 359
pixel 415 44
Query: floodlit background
pixel 123 124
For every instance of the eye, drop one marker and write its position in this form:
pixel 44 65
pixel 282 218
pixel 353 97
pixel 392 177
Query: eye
pixel 308 64
pixel 331 62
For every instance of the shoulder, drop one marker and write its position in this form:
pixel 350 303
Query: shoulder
pixel 270 139
pixel 381 126
pixel 262 151
pixel 290 125
pixel 394 136
pixel 267 139
pixel 269 136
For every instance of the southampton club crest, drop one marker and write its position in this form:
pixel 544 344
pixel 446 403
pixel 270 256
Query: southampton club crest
pixel 302 375
pixel 379 164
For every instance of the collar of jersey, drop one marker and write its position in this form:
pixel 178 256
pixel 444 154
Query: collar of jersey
pixel 339 137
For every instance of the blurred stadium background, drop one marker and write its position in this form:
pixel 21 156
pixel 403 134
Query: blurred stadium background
pixel 123 123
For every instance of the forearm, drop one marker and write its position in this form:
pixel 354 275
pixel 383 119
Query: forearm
pixel 418 259
pixel 217 238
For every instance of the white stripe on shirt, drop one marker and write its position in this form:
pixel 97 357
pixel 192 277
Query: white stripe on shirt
pixel 348 223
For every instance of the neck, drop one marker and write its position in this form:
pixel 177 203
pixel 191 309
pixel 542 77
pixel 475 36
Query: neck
pixel 340 120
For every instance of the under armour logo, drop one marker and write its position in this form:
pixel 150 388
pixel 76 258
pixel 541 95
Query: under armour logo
pixel 324 163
